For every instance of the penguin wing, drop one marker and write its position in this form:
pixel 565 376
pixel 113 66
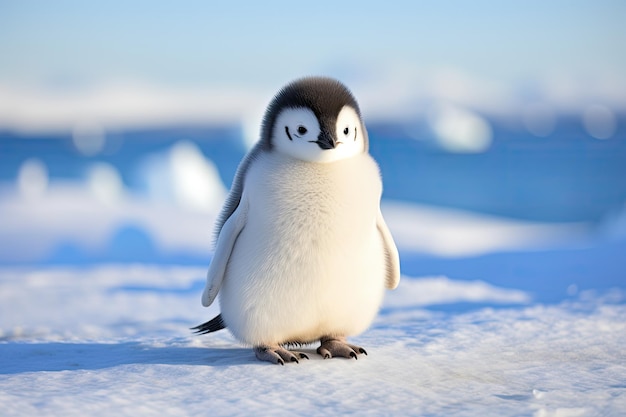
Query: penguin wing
pixel 226 239
pixel 391 253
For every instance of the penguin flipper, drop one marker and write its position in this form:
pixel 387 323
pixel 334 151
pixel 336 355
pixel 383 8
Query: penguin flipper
pixel 225 242
pixel 391 253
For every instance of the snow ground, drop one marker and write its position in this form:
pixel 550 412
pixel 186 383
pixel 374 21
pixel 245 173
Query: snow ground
pixel 114 340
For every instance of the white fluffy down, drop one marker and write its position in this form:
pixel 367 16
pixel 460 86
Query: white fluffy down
pixel 309 261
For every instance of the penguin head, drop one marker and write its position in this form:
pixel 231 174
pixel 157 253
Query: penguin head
pixel 314 119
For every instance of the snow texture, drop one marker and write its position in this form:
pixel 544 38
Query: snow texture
pixel 113 340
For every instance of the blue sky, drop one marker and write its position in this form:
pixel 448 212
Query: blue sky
pixel 254 43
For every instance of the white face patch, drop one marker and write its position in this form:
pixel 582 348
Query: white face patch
pixel 297 130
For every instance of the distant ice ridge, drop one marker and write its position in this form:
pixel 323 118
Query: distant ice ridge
pixel 184 176
pixel 120 105
pixel 175 215
pixel 428 291
pixel 451 232
pixel 392 94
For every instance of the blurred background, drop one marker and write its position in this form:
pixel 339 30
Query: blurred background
pixel 498 127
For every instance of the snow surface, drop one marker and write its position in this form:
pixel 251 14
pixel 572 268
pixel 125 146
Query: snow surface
pixel 114 340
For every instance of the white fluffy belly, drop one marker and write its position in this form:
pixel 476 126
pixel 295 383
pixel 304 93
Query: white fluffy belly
pixel 308 263
pixel 277 296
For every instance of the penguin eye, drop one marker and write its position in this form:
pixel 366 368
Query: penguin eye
pixel 346 131
pixel 302 130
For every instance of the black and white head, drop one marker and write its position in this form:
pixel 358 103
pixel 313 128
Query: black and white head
pixel 314 119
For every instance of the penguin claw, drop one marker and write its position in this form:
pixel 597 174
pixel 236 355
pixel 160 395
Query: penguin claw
pixel 277 355
pixel 338 347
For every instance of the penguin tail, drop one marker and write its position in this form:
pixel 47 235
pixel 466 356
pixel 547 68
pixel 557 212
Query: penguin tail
pixel 213 325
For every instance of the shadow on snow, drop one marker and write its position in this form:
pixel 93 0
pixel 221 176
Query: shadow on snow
pixel 36 357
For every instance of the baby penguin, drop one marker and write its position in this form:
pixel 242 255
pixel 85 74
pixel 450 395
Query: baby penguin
pixel 303 253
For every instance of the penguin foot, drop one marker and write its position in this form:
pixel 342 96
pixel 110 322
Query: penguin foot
pixel 338 346
pixel 278 355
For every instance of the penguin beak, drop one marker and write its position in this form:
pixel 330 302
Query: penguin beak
pixel 326 141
